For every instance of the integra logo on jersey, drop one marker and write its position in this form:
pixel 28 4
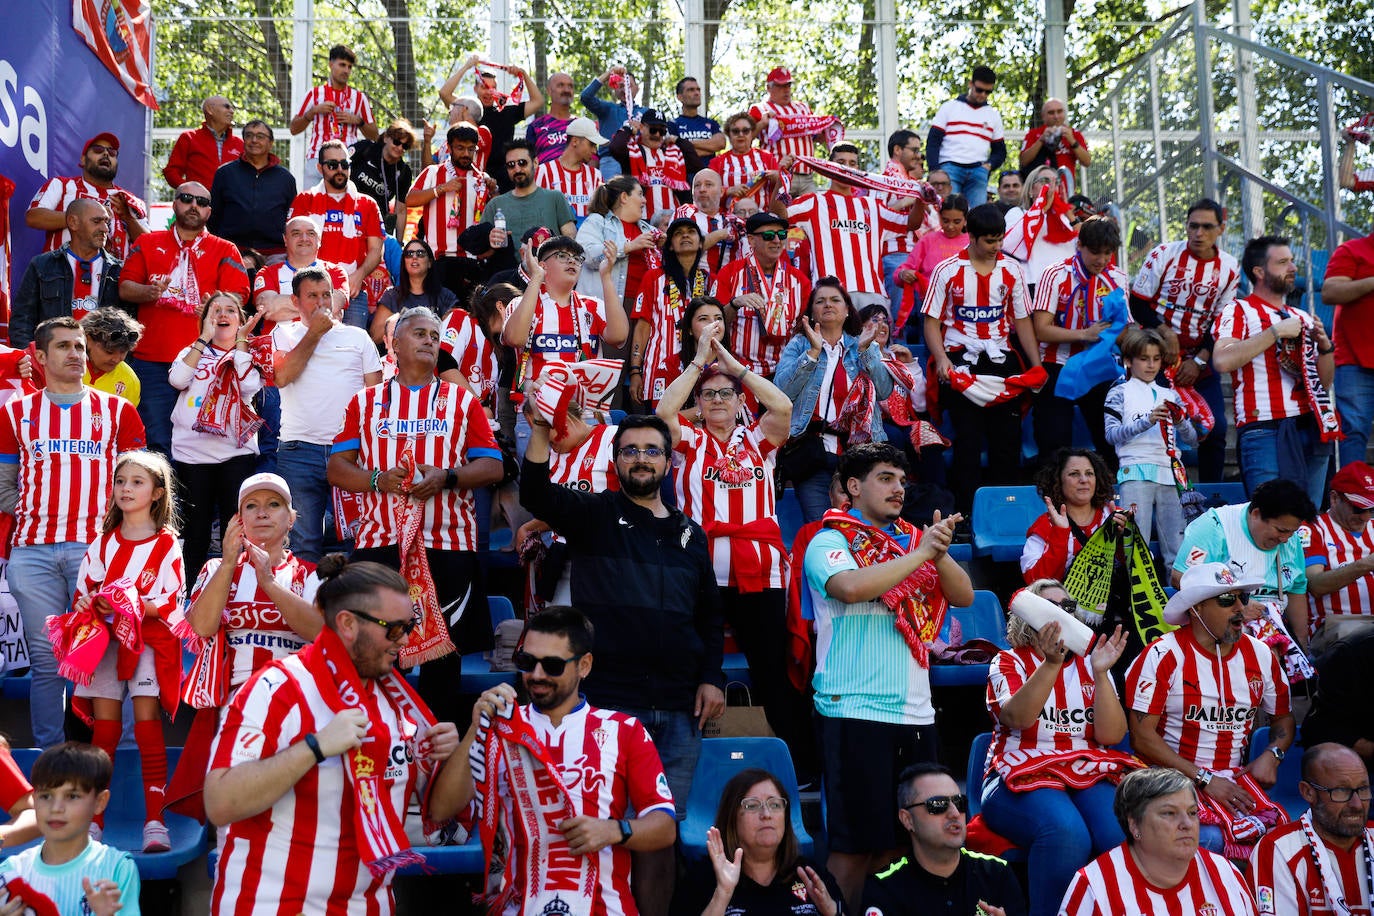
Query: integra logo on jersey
pixel 84 448
pixel 425 426
pixel 849 225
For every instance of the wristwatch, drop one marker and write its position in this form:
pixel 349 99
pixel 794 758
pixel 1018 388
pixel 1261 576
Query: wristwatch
pixel 1277 751
pixel 1202 779
pixel 625 831
pixel 450 479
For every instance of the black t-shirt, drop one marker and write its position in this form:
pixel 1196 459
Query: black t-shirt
pixel 501 122
pixel 1345 679
pixel 907 889
pixel 786 896
pixel 383 182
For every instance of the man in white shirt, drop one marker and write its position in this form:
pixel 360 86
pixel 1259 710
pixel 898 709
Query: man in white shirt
pixel 966 138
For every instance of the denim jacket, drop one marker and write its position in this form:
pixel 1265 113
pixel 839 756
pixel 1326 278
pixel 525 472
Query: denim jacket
pixel 800 377
pixel 596 230
pixel 46 292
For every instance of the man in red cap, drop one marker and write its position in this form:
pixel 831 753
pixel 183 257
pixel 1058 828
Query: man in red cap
pixel 99 165
pixel 779 102
pixel 1339 547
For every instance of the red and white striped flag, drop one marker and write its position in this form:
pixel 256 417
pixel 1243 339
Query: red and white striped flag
pixel 987 390
pixel 121 35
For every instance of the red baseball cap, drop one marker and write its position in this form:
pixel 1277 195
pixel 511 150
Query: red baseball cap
pixel 108 138
pixel 779 75
pixel 1355 482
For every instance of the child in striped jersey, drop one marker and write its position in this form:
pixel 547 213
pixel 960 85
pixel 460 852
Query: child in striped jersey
pixel 137 550
pixel 77 874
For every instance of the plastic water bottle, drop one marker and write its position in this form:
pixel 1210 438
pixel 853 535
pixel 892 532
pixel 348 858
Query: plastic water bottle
pixel 499 222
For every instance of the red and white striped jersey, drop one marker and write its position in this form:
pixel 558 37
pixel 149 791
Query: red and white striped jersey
pixel 589 468
pixel 722 253
pixel 610 767
pixel 1065 723
pixel 446 427
pixel 66 458
pixel 562 333
pixel 847 234
pixel 740 168
pixel 1187 293
pixel 973 306
pixel 276 278
pixel 662 304
pixel 254 628
pixel 787 146
pixel 347 222
pixel 577 186
pixel 901 244
pixel 1206 709
pixel 451 212
pixel 1112 885
pixel 783 287
pixel 1286 881
pixel 1074 297
pixel 473 352
pixel 328 126
pixel 305 846
pixel 153 564
pixel 730 483
pixel 1328 544
pixel 58 193
pixel 1261 389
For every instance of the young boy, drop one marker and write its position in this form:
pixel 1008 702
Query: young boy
pixel 111 334
pixel 78 874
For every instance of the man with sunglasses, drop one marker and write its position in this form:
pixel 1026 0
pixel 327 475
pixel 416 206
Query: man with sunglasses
pixel 526 205
pixel 766 292
pixel 966 138
pixel 1340 560
pixel 940 875
pixel 168 275
pixel 1322 863
pixel 1193 695
pixel 381 170
pixel 251 196
pixel 352 234
pixel 199 153
pixel 76 279
pixel 607 758
pixel 99 166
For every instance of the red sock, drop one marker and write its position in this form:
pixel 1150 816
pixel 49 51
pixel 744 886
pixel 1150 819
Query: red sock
pixel 105 735
pixel 153 749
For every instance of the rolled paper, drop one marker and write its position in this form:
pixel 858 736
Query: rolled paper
pixel 1037 612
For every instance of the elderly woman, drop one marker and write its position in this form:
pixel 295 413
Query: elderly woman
pixel 753 852
pixel 1077 489
pixel 1160 868
pixel 1053 712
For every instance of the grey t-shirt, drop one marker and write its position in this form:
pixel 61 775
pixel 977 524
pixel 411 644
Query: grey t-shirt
pixel 542 208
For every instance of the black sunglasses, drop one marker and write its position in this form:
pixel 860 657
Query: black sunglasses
pixel 657 131
pixel 415 254
pixel 553 666
pixel 395 629
pixel 335 164
pixel 1229 598
pixel 517 163
pixel 184 198
pixel 939 804
pixel 772 235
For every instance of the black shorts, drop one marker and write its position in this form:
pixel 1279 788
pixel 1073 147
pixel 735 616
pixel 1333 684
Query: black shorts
pixel 861 761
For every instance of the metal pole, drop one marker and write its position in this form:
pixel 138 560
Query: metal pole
pixel 1331 199
pixel 1056 57
pixel 1204 99
pixel 1116 173
pixel 886 28
pixel 694 47
pixel 1160 203
pixel 1252 201
pixel 499 39
pixel 302 48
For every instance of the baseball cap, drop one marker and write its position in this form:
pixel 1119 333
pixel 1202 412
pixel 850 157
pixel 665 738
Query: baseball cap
pixel 651 116
pixel 764 218
pixel 1203 581
pixel 779 75
pixel 1355 482
pixel 105 137
pixel 586 129
pixel 266 481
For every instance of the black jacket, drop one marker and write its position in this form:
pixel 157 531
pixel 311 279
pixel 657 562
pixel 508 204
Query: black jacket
pixel 249 207
pixel 907 888
pixel 383 183
pixel 647 585
pixel 46 292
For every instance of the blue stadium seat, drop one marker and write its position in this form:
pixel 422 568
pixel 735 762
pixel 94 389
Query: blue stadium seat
pixel 789 515
pixel 1228 494
pixel 1285 791
pixel 17 687
pixel 500 608
pixel 722 758
pixel 1001 516
pixel 124 817
pixel 973 786
pixel 962 553
pixel 981 620
pixel 477 675
pixel 736 668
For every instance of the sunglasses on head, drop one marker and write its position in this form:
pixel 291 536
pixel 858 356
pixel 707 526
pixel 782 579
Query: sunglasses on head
pixel 335 164
pixel 1230 598
pixel 184 198
pixel 939 804
pixel 395 629
pixel 552 665
pixel 772 235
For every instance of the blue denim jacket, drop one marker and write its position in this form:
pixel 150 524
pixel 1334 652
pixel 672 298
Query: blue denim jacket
pixel 800 377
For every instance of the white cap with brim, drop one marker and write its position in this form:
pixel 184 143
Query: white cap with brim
pixel 1206 580
pixel 586 129
pixel 266 481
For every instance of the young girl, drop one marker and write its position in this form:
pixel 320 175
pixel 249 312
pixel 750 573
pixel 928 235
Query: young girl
pixel 137 551
pixel 1147 426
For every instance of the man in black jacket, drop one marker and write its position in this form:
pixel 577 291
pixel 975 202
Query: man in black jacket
pixel 77 278
pixel 380 169
pixel 252 195
pixel 641 572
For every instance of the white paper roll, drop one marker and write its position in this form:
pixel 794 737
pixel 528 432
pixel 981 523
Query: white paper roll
pixel 1037 612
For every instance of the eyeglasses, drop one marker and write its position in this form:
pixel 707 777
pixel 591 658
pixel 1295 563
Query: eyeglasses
pixel 395 629
pixel 184 198
pixel 752 805
pixel 740 131
pixel 257 135
pixel 630 452
pixel 101 149
pixel 552 665
pixel 335 164
pixel 517 164
pixel 939 804
pixel 567 257
pixel 772 235
pixel 1341 794
pixel 717 394
pixel 415 254
pixel 1231 598
pixel 1203 227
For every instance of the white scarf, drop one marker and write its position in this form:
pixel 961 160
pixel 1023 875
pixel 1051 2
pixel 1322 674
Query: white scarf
pixel 183 288
pixel 1337 898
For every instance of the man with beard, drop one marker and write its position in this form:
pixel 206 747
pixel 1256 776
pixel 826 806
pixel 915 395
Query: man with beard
pixel 607 758
pixel 78 278
pixel 99 166
pixel 548 133
pixel 1272 352
pixel 526 205
pixel 572 174
pixel 452 194
pixel 167 277
pixel 642 573
pixel 766 292
pixel 722 233
pixel 1320 863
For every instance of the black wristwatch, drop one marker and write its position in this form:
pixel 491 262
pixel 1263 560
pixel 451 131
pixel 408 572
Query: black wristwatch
pixel 450 479
pixel 1203 778
pixel 626 831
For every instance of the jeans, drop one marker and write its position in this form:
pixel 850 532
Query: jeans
pixel 156 401
pixel 303 465
pixel 268 405
pixel 1157 503
pixel 893 289
pixel 43 582
pixel 1211 838
pixel 1355 400
pixel 610 166
pixel 968 180
pixel 356 315
pixel 678 740
pixel 814 492
pixel 1291 448
pixel 1061 830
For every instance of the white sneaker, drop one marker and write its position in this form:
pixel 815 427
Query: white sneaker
pixel 95 831
pixel 155 837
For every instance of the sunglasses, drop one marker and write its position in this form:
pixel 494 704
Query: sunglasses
pixel 395 629
pixel 631 452
pixel 740 131
pixel 100 149
pixel 184 198
pixel 552 665
pixel 334 164
pixel 939 804
pixel 517 163
pixel 415 254
pixel 1230 598
pixel 403 144
pixel 772 235
pixel 657 131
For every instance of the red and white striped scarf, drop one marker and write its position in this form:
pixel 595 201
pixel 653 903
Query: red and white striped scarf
pixel 1048 214
pixel 1045 768
pixel 431 638
pixel 1240 834
pixel 669 171
pixel 900 407
pixel 1298 357
pixel 502 99
pixel 988 390
pixel 796 127
pixel 904 187
pixel 223 410
pixel 183 288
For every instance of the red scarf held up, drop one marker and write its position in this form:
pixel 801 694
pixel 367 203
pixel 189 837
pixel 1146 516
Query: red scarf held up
pixel 796 127
pixel 670 171
pixel 431 638
pixel 747 543
pixel 502 99
pixel 919 603
pixel 223 410
pixel 903 187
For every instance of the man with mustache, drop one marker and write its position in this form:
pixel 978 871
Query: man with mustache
pixel 99 166
pixel 453 194
pixel 77 278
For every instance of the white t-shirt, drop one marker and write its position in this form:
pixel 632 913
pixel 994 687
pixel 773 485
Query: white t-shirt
pixel 312 407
